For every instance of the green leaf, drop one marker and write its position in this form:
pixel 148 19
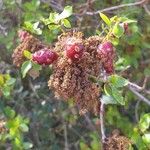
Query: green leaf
pixel 146 138
pixel 117 95
pixel 113 19
pixel 144 123
pixel 17 142
pixel 107 89
pixel 105 19
pixel 1 80
pixel 36 66
pixel 118 30
pixel 117 81
pixel 28 25
pixel 84 146
pixel 67 12
pixel 54 18
pixel 53 27
pixel 6 91
pixel 33 28
pixel 6 76
pixel 66 23
pixel 108 100
pixel 27 145
pixel 24 127
pixel 46 21
pixel 27 54
pixel 127 20
pixel 10 113
pixel 11 81
pixel 26 66
pixel 115 41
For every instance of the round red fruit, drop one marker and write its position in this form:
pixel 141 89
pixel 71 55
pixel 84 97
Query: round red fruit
pixel 44 56
pixel 74 50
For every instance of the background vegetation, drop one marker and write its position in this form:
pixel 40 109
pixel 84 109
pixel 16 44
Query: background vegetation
pixel 33 118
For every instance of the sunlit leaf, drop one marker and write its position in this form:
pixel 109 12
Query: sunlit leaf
pixel 27 54
pixel 108 100
pixel 10 113
pixel 66 23
pixel 144 123
pixel 118 30
pixel 105 19
pixel 26 66
pixel 117 81
pixel 117 95
pixel 67 12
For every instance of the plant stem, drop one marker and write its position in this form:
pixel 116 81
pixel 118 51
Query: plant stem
pixel 102 125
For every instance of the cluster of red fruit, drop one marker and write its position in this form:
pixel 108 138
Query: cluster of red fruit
pixel 73 51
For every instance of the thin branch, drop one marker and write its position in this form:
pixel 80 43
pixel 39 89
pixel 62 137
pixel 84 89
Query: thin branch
pixel 139 88
pixel 146 9
pixel 117 7
pixel 136 110
pixel 141 97
pixel 145 82
pixel 92 127
pixel 102 125
pixel 65 137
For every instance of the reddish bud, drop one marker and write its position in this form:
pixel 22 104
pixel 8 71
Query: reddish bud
pixel 125 27
pixel 74 49
pixel 44 56
pixel 105 50
pixel 22 35
pixel 106 54
pixel 109 67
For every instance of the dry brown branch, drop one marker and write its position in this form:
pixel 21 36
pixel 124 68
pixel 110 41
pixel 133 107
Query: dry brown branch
pixel 117 7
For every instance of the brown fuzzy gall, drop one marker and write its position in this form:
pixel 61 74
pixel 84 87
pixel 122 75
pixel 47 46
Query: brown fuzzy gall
pixel 117 142
pixel 70 80
pixel 31 44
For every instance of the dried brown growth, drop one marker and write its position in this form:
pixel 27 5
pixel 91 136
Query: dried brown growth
pixel 31 44
pixel 71 79
pixel 117 142
pixel 2 127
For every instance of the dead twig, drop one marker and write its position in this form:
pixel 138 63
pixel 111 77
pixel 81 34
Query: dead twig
pixel 136 110
pixel 102 125
pixel 65 137
pixel 141 97
pixel 116 7
pixel 88 120
pixel 139 88
pixel 146 9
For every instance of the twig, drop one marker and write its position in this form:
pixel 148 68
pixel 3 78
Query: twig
pixel 146 9
pixel 102 126
pixel 89 122
pixel 136 110
pixel 141 97
pixel 116 7
pixel 139 88
pixel 145 82
pixel 65 137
